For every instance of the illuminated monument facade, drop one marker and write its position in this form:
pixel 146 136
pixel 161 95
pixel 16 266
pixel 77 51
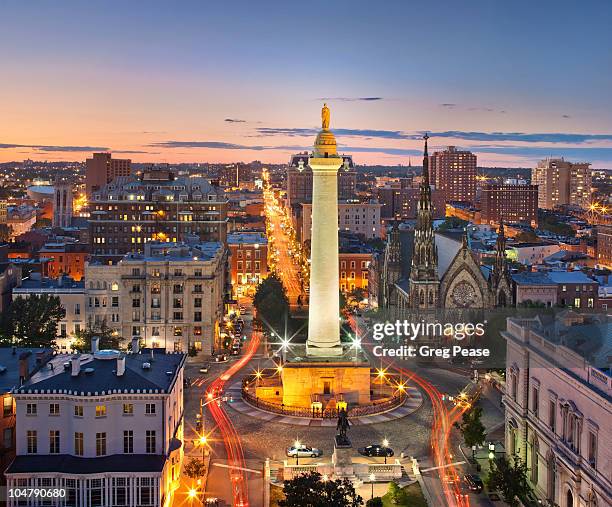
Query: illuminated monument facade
pixel 325 372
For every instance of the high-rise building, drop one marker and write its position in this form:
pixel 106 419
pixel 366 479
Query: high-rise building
pixel 454 173
pixel 561 182
pixel 103 428
pixel 510 203
pixel 299 180
pixel 62 203
pixel 102 168
pixel 157 205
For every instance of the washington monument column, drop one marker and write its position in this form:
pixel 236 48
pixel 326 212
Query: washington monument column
pixel 324 312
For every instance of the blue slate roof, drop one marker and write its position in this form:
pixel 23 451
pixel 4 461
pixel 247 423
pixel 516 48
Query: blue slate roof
pixel 551 278
pixel 67 464
pixel 160 376
pixel 9 359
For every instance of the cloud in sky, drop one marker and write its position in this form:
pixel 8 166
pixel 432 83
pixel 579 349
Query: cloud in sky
pixel 234 120
pixel 351 99
pixel 558 137
pixel 40 147
pixel 448 105
pixel 523 137
pixel 521 151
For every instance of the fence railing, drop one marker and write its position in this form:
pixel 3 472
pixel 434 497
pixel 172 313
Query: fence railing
pixel 377 407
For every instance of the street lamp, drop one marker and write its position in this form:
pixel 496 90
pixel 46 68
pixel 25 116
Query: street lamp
pixel 297 445
pixel 372 479
pixel 385 444
pixel 491 451
pixel 203 441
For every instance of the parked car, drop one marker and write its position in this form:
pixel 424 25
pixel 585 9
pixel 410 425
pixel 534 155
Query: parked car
pixel 474 482
pixel 303 451
pixel 376 450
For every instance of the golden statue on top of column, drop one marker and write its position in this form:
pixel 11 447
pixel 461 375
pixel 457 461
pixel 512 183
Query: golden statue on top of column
pixel 325 117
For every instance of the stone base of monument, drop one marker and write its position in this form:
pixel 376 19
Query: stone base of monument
pixel 345 376
pixel 342 458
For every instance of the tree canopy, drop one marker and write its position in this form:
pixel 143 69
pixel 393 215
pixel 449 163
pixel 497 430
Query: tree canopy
pixel 472 428
pixel 272 303
pixel 32 321
pixel 108 340
pixel 509 476
pixel 310 490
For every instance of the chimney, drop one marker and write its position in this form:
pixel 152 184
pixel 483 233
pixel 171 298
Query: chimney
pixel 76 365
pixel 95 343
pixel 135 345
pixel 120 366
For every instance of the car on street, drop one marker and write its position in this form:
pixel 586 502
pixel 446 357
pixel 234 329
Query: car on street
pixel 473 482
pixel 303 451
pixel 204 369
pixel 221 358
pixel 375 450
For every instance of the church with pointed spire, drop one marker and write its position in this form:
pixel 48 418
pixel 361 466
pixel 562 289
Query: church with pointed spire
pixel 429 270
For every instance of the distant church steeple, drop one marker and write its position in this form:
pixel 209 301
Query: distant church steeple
pixel 424 281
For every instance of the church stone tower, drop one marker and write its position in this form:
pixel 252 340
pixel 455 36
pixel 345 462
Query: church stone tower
pixel 62 203
pixel 424 280
pixel 392 264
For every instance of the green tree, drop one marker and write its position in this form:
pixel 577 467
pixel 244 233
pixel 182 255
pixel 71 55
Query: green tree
pixel 41 223
pixel 510 477
pixel 108 338
pixel 472 428
pixel 527 237
pixel 396 494
pixel 32 321
pixel 356 296
pixel 195 468
pixel 272 304
pixel 310 490
pixel 374 502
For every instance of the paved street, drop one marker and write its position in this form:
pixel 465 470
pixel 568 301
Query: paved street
pixel 286 266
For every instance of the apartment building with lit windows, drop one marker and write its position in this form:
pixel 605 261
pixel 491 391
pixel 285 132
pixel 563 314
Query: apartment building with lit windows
pixel 561 182
pixel 248 260
pixel 453 172
pixel 558 407
pixel 105 427
pixel 170 296
pixel 130 211
pixel 361 218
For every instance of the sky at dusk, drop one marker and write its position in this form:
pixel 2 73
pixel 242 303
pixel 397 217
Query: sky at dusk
pixel 227 81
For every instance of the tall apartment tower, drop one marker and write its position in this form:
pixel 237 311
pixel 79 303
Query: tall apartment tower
pixel 62 203
pixel 102 168
pixel 561 182
pixel 454 173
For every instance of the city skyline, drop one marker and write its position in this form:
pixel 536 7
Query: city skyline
pixel 200 84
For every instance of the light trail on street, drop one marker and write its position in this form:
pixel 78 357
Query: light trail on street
pixel 233 445
pixel 286 266
pixel 443 420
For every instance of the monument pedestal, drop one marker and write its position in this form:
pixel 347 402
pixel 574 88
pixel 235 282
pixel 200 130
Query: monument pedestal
pixel 306 379
pixel 342 459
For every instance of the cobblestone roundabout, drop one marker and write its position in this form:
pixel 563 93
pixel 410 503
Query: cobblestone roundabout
pixel 266 434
